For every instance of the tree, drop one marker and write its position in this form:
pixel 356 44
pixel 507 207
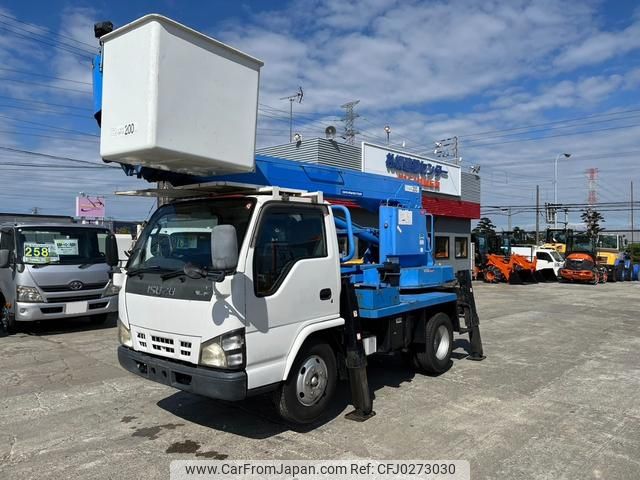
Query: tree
pixel 592 219
pixel 485 225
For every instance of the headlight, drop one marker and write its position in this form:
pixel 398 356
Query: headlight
pixel 225 351
pixel 111 290
pixel 124 334
pixel 28 294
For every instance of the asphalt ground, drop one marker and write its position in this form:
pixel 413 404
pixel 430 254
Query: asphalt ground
pixel 558 397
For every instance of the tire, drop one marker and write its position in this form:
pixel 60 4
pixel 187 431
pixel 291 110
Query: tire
pixel 297 400
pixel 99 319
pixel 492 275
pixel 435 355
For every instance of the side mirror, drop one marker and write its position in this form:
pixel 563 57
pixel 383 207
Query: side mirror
pixel 118 279
pixel 224 247
pixel 111 251
pixel 4 258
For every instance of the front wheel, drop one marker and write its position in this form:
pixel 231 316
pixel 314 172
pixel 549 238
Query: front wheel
pixel 310 386
pixel 435 355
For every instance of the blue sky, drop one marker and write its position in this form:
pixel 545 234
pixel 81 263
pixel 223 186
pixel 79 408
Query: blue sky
pixel 518 82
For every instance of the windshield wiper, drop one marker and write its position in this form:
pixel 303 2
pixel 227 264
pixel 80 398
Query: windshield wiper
pixel 195 272
pixel 173 273
pixel 137 271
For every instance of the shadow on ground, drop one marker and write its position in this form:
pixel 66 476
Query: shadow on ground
pixel 256 417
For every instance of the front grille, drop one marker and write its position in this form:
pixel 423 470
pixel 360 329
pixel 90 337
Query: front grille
pixel 79 298
pixel 166 345
pixel 65 288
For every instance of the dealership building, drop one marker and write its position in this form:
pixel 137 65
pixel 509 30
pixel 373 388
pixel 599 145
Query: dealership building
pixel 449 193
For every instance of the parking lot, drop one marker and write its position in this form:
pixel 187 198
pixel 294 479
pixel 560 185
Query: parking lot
pixel 557 397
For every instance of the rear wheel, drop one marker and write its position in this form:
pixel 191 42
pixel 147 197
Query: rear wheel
pixel 435 355
pixel 310 386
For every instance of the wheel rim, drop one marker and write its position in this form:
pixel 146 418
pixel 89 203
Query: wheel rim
pixel 441 342
pixel 312 381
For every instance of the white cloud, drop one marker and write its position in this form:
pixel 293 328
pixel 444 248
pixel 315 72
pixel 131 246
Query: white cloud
pixel 600 46
pixel 413 65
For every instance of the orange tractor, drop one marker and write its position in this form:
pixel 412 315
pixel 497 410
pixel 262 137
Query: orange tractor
pixel 495 263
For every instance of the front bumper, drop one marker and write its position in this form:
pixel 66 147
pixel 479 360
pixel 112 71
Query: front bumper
pixel 30 312
pixel 202 381
pixel 577 275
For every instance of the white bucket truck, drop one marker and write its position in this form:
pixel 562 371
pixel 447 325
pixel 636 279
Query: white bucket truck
pixel 239 288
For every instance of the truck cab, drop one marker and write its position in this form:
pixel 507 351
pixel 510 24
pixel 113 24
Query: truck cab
pixel 547 259
pixel 52 271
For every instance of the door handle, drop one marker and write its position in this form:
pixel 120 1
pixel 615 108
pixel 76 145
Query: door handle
pixel 325 294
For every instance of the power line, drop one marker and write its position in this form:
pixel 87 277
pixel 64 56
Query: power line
pixel 29 134
pixel 52 127
pixel 558 135
pixel 44 85
pixel 44 76
pixel 84 54
pixel 45 165
pixel 56 112
pixel 44 29
pixel 45 103
pixel 529 132
pixel 49 155
pixel 549 123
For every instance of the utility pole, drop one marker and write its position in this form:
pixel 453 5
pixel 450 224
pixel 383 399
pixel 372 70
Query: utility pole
pixel 537 214
pixel 632 212
pixel 292 98
pixel 349 121
pixel 509 213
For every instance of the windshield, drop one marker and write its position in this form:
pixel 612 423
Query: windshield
pixel 61 245
pixel 556 236
pixel 556 256
pixel 608 241
pixel 582 242
pixel 180 233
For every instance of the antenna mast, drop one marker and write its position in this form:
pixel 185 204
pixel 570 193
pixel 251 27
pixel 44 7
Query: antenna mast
pixel 292 98
pixel 349 121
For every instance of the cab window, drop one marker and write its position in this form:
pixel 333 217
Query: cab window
pixel 286 236
pixel 544 256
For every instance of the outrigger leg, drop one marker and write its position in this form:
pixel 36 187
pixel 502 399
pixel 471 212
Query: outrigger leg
pixel 355 357
pixel 467 311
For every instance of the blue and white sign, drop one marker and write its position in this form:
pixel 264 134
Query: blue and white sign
pixel 432 175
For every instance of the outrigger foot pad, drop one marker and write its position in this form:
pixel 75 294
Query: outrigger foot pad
pixel 359 416
pixel 476 357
